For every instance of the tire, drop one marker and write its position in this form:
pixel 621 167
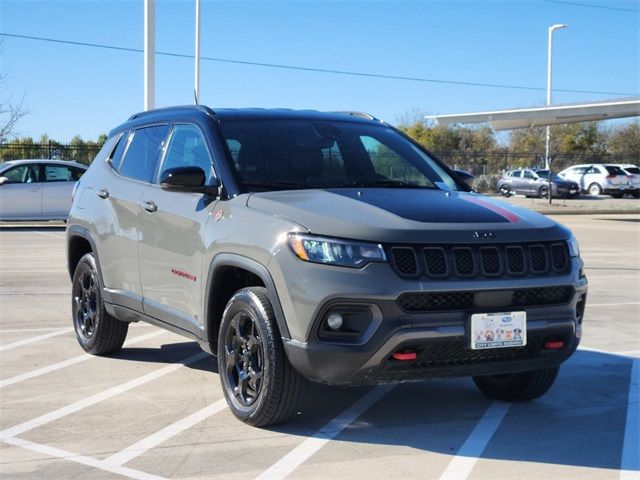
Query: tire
pixel 542 192
pixel 617 195
pixel 98 333
pixel 260 385
pixel 505 191
pixel 636 194
pixel 517 387
pixel 595 190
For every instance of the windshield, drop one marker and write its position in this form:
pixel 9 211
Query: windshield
pixel 290 154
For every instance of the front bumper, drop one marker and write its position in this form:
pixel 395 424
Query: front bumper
pixel 442 343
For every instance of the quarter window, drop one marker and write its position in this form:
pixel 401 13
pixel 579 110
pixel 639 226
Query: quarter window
pixel 60 173
pixel 141 157
pixel 187 148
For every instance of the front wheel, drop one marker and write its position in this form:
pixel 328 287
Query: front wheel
pixel 543 192
pixel 97 332
pixel 505 191
pixel 517 387
pixel 259 384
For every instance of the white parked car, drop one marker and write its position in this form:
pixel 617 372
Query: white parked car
pixel 634 178
pixel 597 179
pixel 37 189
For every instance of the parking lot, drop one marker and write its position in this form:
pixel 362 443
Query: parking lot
pixel 156 410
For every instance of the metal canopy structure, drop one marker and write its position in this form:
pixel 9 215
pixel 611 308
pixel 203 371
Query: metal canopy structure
pixel 548 115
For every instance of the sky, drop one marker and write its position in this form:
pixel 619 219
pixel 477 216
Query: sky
pixel 81 90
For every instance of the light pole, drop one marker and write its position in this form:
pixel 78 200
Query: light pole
pixel 196 87
pixel 149 54
pixel 547 160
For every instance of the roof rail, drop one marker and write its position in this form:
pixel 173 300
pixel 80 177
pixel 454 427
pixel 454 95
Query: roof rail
pixel 202 108
pixel 368 116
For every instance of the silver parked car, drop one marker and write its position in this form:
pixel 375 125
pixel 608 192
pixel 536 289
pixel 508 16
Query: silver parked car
pixel 597 179
pixel 634 178
pixel 535 183
pixel 37 189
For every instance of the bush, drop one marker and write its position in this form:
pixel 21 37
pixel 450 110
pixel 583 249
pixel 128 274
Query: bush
pixel 486 183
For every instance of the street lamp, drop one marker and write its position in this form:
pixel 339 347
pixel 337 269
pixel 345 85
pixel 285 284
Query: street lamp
pixel 547 161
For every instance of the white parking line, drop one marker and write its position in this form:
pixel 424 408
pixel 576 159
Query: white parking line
pixel 99 397
pixel 37 338
pixel 306 449
pixel 630 463
pixel 165 434
pixel 72 361
pixel 88 461
pixel 466 458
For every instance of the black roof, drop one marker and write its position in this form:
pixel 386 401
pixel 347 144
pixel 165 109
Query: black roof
pixel 249 113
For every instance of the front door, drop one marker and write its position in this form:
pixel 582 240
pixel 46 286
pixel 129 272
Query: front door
pixel 21 195
pixel 172 226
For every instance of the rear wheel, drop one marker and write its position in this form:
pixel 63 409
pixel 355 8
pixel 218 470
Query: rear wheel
pixel 617 195
pixel 517 387
pixel 259 384
pixel 97 332
pixel 595 189
pixel 636 194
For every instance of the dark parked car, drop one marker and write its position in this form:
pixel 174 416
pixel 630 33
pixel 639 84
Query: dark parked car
pixel 535 183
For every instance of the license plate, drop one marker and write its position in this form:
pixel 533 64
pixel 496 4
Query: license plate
pixel 498 330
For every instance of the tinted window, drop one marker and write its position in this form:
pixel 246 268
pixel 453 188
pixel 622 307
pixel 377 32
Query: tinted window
pixel 58 173
pixel 141 157
pixel 116 154
pixel 528 174
pixel 106 148
pixel 614 170
pixel 187 148
pixel 577 170
pixel 634 170
pixel 516 174
pixel 23 173
pixel 278 154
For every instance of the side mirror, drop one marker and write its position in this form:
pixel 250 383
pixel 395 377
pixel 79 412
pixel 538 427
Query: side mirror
pixel 188 179
pixel 3 180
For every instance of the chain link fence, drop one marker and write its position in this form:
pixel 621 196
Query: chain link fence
pixel 476 163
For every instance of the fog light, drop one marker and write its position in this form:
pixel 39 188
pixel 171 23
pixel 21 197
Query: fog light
pixel 334 321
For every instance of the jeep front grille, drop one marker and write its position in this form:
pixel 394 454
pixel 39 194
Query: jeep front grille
pixel 474 261
pixel 470 300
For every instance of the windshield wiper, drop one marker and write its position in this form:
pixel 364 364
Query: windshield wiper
pixel 384 183
pixel 279 184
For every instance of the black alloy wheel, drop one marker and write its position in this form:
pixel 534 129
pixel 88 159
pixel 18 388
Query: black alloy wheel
pixel 245 358
pixel 97 332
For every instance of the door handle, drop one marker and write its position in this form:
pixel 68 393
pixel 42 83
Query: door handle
pixel 103 193
pixel 150 206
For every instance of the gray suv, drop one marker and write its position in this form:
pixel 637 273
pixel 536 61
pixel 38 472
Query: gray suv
pixel 299 245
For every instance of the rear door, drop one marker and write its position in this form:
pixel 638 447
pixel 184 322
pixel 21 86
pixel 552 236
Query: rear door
pixel 516 181
pixel 529 184
pixel 57 188
pixel 21 195
pixel 172 225
pixel 119 228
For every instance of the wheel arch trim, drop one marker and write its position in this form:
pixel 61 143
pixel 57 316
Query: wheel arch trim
pixel 254 267
pixel 82 232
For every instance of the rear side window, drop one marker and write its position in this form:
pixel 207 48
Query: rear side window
pixel 141 157
pixel 633 170
pixel 58 173
pixel 614 170
pixel 578 170
pixel 516 174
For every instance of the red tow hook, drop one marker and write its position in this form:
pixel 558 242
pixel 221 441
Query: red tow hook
pixel 405 356
pixel 553 344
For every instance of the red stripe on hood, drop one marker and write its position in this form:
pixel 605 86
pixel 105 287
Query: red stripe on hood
pixel 512 217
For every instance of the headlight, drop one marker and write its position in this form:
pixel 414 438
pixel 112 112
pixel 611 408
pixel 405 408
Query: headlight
pixel 574 249
pixel 332 251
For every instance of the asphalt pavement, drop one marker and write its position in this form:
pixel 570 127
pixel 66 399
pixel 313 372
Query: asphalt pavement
pixel 155 410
